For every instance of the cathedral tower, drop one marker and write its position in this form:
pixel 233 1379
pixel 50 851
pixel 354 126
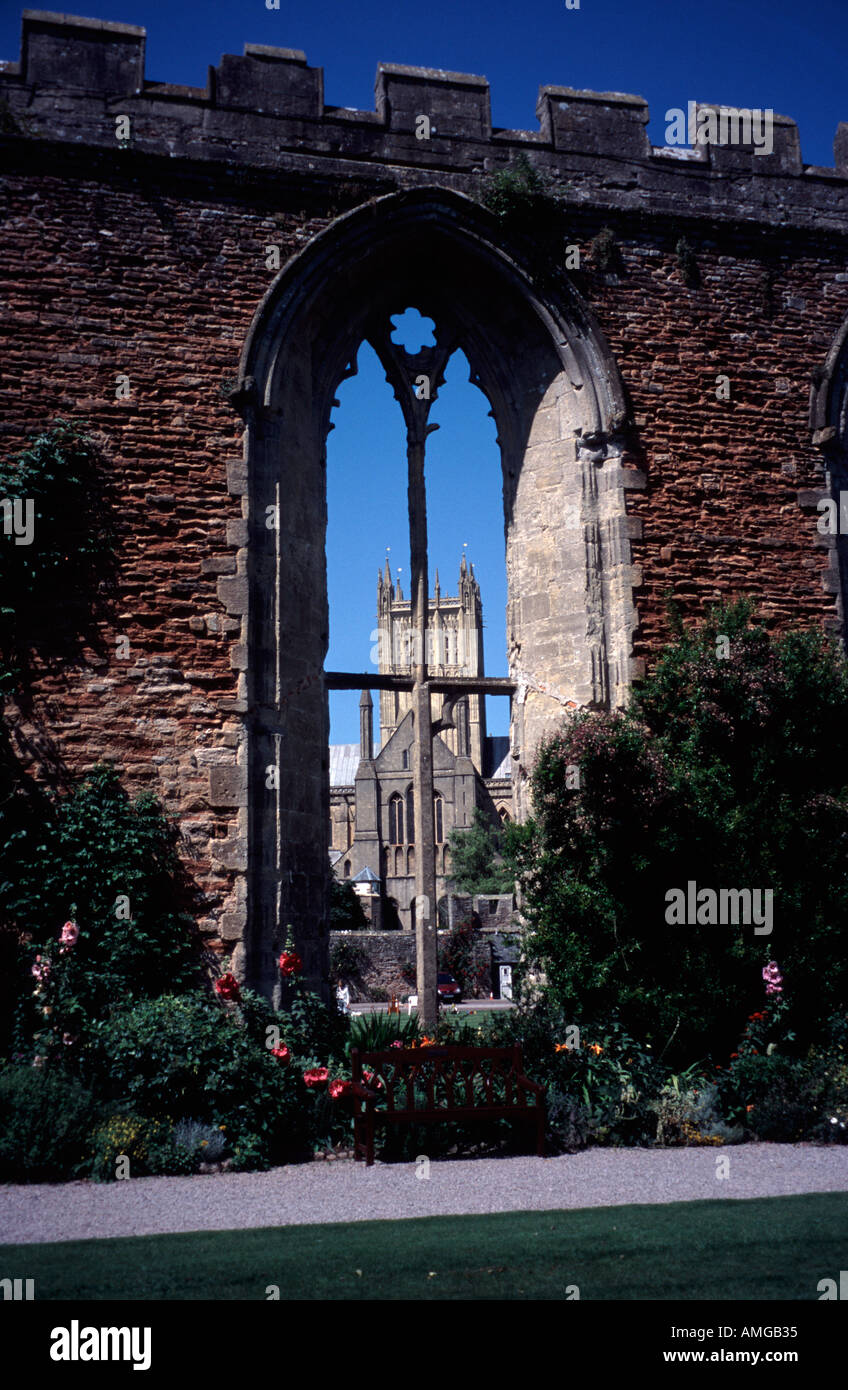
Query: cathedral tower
pixel 455 648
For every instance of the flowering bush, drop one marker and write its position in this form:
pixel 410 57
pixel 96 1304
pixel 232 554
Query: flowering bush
pixel 187 1058
pixel 733 731
pixel 107 868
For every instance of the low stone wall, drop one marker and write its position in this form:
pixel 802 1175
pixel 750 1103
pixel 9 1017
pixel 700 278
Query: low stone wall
pixel 384 954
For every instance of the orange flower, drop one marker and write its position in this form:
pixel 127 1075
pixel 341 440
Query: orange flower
pixel 561 1047
pixel 596 1048
pixel 749 1107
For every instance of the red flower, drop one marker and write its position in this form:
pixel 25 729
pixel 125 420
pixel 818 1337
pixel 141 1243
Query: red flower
pixel 228 987
pixel 370 1080
pixel 733 1056
pixel 316 1077
pixel 281 1052
pixel 290 963
pixel 338 1089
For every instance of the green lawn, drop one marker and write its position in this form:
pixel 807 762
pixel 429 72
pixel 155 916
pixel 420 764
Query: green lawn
pixel 767 1248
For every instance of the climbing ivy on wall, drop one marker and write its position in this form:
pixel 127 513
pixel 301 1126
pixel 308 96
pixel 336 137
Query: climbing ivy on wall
pixel 56 546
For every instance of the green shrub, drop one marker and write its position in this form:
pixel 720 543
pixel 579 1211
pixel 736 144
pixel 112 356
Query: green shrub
pixel 93 855
pixel 46 1118
pixel 346 960
pixel 531 211
pixel 50 586
pixel 188 1058
pixel 729 771
pixel 346 910
pixel 691 1115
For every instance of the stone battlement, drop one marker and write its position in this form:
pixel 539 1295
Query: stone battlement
pixel 265 109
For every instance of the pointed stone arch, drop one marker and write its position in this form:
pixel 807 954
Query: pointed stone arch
pixel 829 427
pixel 559 407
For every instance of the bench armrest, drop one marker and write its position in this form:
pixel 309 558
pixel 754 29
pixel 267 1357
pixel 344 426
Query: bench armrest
pixel 526 1084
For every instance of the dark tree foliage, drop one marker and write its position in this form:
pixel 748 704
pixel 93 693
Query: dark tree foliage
pixel 346 910
pixel 52 579
pixel 477 865
pixel 109 864
pixel 729 770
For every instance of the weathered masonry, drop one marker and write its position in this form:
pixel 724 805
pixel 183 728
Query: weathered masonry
pixel 668 421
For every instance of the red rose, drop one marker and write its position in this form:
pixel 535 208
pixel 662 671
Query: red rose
pixel 340 1088
pixel 316 1077
pixel 228 987
pixel 290 963
pixel 281 1052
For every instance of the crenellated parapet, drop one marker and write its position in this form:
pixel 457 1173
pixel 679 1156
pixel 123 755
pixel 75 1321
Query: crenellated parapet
pixel 265 110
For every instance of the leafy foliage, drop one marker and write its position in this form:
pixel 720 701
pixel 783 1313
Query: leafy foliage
pixel 189 1058
pixel 50 585
pixel 728 770
pixel 94 855
pixel 45 1120
pixel 346 910
pixel 477 864
pixel 376 1032
pixel 531 211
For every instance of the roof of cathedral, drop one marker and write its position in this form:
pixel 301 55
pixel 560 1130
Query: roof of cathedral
pixel 344 760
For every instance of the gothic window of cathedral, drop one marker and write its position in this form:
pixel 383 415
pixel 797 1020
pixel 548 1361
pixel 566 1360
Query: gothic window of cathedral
pixel 396 820
pixel 410 817
pixel 438 817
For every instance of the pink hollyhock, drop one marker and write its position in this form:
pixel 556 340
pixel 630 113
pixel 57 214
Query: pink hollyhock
pixel 398 1043
pixel 70 934
pixel 227 987
pixel 340 1088
pixel 41 969
pixel 773 978
pixel 281 1052
pixel 316 1077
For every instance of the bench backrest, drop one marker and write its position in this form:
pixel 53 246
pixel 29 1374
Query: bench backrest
pixel 442 1078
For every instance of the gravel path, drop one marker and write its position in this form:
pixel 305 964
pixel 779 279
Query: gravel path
pixel 348 1191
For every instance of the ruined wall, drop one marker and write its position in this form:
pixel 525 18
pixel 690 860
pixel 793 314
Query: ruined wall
pixel 142 250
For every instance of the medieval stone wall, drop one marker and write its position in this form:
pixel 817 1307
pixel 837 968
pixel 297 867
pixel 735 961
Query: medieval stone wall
pixel 141 251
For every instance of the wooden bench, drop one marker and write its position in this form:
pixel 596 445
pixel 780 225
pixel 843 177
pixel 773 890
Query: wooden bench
pixel 431 1084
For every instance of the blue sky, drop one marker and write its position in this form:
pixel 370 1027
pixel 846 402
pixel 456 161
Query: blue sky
pixel 767 53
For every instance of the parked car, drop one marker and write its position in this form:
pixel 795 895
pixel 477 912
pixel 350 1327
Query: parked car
pixel 447 989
